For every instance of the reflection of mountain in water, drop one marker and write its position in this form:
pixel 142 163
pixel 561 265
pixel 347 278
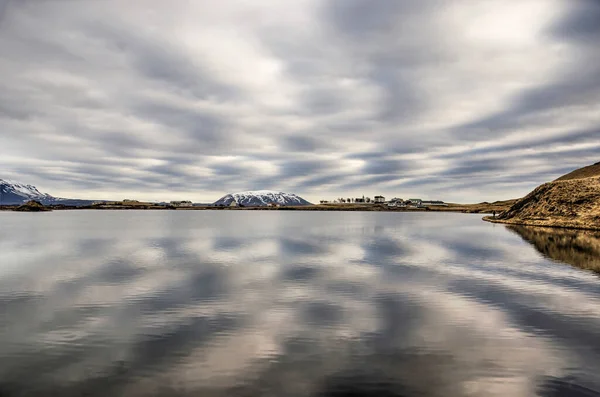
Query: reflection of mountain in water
pixel 576 247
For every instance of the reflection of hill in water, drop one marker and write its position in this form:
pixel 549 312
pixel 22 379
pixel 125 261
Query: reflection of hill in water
pixel 576 247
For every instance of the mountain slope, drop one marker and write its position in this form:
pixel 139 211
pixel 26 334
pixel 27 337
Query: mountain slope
pixel 571 201
pixel 15 193
pixel 261 198
pixel 12 193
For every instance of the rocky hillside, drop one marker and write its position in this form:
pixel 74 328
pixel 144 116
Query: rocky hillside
pixel 570 201
pixel 261 198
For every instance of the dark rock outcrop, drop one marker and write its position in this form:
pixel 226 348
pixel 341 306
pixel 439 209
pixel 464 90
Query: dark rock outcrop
pixel 32 206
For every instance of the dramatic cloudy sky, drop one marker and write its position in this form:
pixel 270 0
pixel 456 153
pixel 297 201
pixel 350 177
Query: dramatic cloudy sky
pixel 457 100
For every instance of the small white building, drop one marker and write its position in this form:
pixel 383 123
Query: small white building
pixel 413 202
pixel 379 199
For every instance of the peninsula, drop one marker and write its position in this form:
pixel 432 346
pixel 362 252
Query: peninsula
pixel 571 201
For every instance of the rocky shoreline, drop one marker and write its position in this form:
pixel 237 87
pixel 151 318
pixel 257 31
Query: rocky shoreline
pixel 542 223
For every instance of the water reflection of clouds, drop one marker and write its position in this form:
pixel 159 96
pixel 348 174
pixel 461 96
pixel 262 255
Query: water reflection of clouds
pixel 287 306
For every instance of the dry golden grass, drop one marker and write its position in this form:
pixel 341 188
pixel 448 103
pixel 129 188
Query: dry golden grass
pixel 585 172
pixel 570 203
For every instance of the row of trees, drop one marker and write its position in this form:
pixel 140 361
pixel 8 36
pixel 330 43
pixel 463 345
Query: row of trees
pixel 353 200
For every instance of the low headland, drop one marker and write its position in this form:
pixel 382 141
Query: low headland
pixel 571 201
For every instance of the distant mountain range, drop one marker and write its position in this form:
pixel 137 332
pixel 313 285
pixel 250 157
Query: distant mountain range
pixel 15 193
pixel 261 198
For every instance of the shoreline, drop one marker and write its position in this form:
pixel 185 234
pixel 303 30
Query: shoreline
pixel 455 208
pixel 540 223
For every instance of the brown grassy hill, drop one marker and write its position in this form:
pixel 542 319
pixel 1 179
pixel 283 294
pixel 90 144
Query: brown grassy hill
pixel 572 201
pixel 585 172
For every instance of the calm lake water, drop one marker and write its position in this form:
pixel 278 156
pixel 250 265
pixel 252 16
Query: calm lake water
pixel 275 303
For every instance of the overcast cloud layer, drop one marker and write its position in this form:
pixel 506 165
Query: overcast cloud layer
pixel 456 100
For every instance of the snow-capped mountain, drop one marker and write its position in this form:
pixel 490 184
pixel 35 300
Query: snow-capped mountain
pixel 12 192
pixel 15 193
pixel 261 198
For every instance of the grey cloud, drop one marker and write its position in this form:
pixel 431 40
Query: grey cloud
pixel 321 101
pixel 231 169
pixel 361 17
pixel 378 166
pixel 303 167
pixel 581 23
pixel 573 137
pixel 203 131
pixel 364 182
pixel 162 61
pixel 391 39
pixel 576 86
pixel 321 181
pixel 303 143
pixel 473 167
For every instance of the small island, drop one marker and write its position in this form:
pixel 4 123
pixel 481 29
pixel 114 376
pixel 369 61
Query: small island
pixel 32 206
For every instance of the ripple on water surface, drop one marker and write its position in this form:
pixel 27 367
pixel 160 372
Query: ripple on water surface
pixel 253 303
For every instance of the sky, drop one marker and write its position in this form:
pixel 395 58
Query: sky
pixel 456 100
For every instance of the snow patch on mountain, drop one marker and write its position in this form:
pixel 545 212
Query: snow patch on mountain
pixel 261 198
pixel 12 192
pixel 16 193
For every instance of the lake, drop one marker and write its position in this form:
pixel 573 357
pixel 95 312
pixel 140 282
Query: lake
pixel 278 303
